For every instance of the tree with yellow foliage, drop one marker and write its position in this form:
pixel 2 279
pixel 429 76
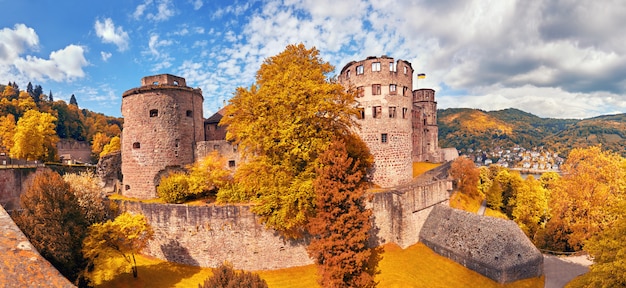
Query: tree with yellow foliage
pixel 35 137
pixel 125 236
pixel 113 146
pixel 530 207
pixel 7 130
pixel 583 200
pixel 282 124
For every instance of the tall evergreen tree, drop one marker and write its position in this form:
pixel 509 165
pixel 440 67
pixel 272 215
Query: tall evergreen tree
pixel 341 225
pixel 73 100
pixel 50 97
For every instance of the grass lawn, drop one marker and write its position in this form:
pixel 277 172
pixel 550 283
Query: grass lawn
pixel 416 266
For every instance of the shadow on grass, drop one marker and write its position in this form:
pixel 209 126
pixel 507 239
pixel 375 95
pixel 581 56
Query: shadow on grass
pixel 163 274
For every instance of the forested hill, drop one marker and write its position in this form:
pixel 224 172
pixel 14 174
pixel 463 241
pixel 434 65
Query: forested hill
pixel 466 128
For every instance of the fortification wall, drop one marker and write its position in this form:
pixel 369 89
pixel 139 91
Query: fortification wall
pixel 208 235
pixel 13 182
pixel 494 247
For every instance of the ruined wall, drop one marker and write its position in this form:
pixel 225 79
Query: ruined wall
pixel 425 129
pixel 14 182
pixel 493 247
pixel 162 122
pixel 208 235
pixel 72 151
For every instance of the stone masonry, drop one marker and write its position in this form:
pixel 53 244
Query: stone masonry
pixel 398 125
pixel 163 121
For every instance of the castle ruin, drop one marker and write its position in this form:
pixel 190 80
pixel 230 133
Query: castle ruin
pixel 164 129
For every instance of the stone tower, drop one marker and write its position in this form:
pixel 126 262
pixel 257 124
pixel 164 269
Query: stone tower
pixel 398 125
pixel 384 89
pixel 425 129
pixel 163 121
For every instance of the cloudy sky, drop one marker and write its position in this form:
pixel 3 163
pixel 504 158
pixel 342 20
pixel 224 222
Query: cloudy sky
pixel 553 58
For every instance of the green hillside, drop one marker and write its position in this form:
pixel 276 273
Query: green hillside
pixel 475 129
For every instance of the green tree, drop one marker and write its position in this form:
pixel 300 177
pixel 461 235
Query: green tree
pixel 125 236
pixel 281 124
pixel 227 277
pixel 54 222
pixel 341 225
pixel 35 137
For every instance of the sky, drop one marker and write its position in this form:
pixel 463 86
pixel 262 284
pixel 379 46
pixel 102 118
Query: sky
pixel 551 58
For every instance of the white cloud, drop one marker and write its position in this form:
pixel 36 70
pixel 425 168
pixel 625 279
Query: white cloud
pixel 164 10
pixel 159 55
pixel 110 34
pixel 197 4
pixel 63 65
pixel 105 56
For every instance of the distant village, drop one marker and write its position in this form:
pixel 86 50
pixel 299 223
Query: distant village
pixel 527 160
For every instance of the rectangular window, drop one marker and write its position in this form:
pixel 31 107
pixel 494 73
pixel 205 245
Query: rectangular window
pixel 404 113
pixel 189 113
pixel 404 89
pixel 383 138
pixel 348 74
pixel 392 89
pixel 392 112
pixel 361 114
pixel 375 66
pixel 406 69
pixel 375 89
pixel 154 113
pixel 392 67
pixel 360 91
pixel 377 111
pixel 231 163
pixel 359 70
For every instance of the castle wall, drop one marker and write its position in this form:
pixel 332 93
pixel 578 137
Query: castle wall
pixel 14 182
pixel 163 121
pixel 208 235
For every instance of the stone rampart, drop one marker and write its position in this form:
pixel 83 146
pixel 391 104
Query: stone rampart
pixel 493 247
pixel 20 263
pixel 208 235
pixel 13 182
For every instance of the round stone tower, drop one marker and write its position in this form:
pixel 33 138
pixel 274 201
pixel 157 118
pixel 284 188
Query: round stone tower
pixel 425 129
pixel 384 89
pixel 163 120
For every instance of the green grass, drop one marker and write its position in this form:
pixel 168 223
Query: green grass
pixel 416 266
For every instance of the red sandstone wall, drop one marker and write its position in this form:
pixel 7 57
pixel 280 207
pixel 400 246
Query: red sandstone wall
pixel 162 124
pixel 393 161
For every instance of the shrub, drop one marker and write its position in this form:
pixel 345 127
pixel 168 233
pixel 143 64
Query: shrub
pixel 174 188
pixel 225 276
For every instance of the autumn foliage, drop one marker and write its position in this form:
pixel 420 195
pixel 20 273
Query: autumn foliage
pixel 341 225
pixel 226 276
pixel 54 222
pixel 282 124
pixel 467 175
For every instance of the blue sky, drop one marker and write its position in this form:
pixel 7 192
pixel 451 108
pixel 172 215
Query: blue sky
pixel 563 59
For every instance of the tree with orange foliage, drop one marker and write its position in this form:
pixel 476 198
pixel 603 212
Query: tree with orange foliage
pixel 583 200
pixel 464 171
pixel 340 227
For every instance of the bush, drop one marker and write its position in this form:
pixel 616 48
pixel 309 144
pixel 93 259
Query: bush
pixel 174 188
pixel 225 276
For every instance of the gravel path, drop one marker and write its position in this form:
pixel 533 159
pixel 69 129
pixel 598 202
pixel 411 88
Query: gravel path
pixel 561 270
